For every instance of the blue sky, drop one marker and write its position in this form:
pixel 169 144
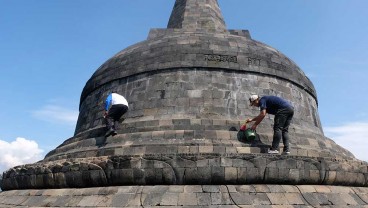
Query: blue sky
pixel 49 49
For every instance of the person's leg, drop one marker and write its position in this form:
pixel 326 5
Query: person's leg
pixel 280 119
pixel 116 112
pixel 276 133
pixel 109 126
pixel 285 131
pixel 110 120
pixel 120 111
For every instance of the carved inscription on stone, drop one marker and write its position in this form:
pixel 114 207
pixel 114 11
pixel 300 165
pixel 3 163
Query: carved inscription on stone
pixel 220 58
pixel 254 61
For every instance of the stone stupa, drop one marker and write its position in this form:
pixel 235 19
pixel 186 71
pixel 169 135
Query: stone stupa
pixel 187 85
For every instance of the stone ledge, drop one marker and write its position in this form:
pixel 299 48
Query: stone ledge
pixel 262 195
pixel 186 169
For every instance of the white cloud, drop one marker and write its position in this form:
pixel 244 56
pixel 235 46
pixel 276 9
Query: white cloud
pixel 54 113
pixel 352 136
pixel 18 152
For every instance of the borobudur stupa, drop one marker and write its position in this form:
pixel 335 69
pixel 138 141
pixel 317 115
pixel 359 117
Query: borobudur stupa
pixel 187 85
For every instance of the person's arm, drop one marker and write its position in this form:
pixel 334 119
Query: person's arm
pixel 257 119
pixel 107 104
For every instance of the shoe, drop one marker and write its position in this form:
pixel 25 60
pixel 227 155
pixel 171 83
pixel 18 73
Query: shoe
pixel 273 152
pixel 286 152
pixel 109 132
pixel 114 133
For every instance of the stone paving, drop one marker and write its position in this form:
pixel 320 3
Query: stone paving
pixel 265 196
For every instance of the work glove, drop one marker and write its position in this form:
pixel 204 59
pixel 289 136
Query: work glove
pixel 243 127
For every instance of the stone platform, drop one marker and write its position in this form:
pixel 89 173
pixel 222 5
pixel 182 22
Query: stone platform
pixel 186 169
pixel 265 196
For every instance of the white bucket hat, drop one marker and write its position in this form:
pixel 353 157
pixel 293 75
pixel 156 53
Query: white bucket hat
pixel 253 98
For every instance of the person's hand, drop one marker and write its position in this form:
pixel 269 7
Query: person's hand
pixel 105 114
pixel 243 127
pixel 248 120
pixel 253 127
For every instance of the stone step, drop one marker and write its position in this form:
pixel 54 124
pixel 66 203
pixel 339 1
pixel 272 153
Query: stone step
pixel 231 196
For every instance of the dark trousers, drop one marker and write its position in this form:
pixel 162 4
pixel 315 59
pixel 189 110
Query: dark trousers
pixel 114 114
pixel 281 128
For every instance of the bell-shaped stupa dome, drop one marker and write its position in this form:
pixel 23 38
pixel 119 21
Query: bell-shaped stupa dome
pixel 187 85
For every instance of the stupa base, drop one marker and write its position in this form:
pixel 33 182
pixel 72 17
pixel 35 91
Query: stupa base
pixel 191 196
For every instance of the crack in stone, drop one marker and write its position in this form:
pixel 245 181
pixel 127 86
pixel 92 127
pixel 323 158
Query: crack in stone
pixel 141 195
pixel 304 197
pixel 228 191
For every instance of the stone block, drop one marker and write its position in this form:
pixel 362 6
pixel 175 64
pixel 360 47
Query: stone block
pixel 276 189
pixel 260 199
pixel 176 189
pixel 91 201
pixel 138 175
pixel 205 149
pixel 272 174
pixel 188 199
pixel 153 176
pixel 192 176
pixel 261 188
pixel 219 149
pixel 62 201
pixel 290 189
pixel 243 150
pixel 330 177
pixel 294 176
pixel 253 175
pixel 363 197
pixel 241 198
pixel 341 189
pixel 231 150
pixel 277 198
pixel 218 175
pixel 307 188
pixel 152 199
pixel 294 199
pixel 204 199
pixel 302 152
pixel 231 175
pixel 314 176
pixel 322 189
pixel 311 199
pixel 226 162
pixel 183 149
pixel 336 199
pixel 170 199
pixel 13 200
pixel 211 189
pixel 221 199
pixel 204 174
pixel 194 149
pixel 136 200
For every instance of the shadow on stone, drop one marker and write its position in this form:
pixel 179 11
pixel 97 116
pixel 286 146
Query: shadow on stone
pixel 100 141
pixel 233 128
pixel 256 142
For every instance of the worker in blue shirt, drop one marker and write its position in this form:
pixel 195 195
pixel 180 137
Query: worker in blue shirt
pixel 283 112
pixel 115 107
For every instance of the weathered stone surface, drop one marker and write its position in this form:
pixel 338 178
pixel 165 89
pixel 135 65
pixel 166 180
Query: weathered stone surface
pixel 206 168
pixel 189 196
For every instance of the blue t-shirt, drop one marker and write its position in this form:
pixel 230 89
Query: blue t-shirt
pixel 273 103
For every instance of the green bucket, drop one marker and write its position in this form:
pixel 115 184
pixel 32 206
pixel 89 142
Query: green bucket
pixel 246 135
pixel 250 134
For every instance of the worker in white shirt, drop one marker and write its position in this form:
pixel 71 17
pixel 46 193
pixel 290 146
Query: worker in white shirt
pixel 115 107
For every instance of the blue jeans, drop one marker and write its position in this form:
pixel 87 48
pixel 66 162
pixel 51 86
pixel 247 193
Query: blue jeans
pixel 281 128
